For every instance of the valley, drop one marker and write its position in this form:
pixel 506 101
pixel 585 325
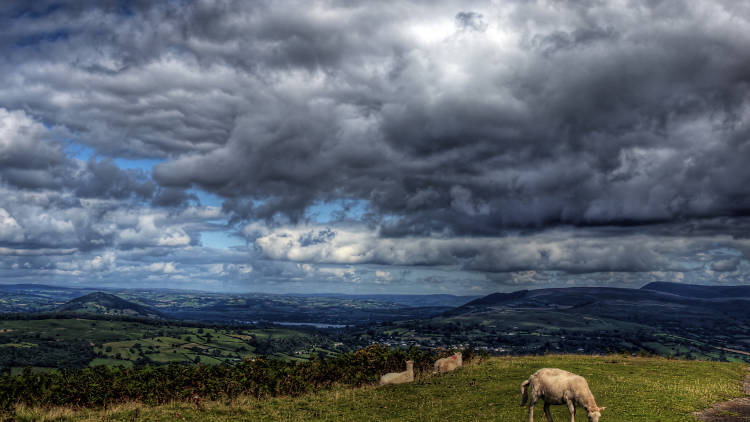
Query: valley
pixel 157 327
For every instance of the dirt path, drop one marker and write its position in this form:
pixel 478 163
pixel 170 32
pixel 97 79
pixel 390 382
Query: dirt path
pixel 737 410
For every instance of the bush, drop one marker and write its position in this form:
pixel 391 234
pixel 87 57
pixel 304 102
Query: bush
pixel 102 386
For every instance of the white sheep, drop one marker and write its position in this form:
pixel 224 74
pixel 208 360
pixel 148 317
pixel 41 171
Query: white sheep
pixel 448 364
pixel 399 377
pixel 556 386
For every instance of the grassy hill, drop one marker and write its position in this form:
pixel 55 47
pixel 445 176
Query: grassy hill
pixel 632 389
pixel 107 304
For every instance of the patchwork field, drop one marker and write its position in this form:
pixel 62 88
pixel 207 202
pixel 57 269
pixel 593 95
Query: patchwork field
pixel 79 342
pixel 632 389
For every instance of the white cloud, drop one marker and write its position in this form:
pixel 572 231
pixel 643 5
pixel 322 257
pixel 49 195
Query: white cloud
pixel 10 230
pixel 105 261
pixel 153 230
pixel 162 267
pixel 551 250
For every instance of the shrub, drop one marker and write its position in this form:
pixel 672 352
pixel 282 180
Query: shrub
pixel 102 386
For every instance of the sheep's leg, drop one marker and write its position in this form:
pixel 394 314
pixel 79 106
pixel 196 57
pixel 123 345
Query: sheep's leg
pixel 572 408
pixel 547 412
pixel 531 409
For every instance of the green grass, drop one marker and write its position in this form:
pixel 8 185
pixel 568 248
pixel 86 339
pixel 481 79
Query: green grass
pixel 183 347
pixel 632 389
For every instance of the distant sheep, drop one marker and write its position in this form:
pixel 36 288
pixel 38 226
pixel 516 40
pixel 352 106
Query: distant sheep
pixel 448 364
pixel 399 377
pixel 556 386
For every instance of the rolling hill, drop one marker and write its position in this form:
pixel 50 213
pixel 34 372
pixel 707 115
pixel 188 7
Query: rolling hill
pixel 635 305
pixel 107 304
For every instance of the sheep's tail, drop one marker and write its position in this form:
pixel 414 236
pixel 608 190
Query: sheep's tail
pixel 524 392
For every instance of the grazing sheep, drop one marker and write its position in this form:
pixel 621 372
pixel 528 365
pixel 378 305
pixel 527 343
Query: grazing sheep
pixel 556 386
pixel 448 364
pixel 399 377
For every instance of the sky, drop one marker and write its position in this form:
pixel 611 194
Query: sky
pixel 374 147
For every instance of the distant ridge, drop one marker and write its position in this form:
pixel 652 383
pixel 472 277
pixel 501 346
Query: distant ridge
pixel 499 298
pixel 27 286
pixel 564 297
pixel 108 304
pixel 655 300
pixel 698 290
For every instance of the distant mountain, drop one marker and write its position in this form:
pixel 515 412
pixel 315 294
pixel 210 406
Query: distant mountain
pixel 635 305
pixel 699 291
pixel 35 287
pixel 556 298
pixel 108 304
pixel 497 299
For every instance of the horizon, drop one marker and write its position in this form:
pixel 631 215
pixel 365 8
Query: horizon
pixel 95 289
pixel 453 147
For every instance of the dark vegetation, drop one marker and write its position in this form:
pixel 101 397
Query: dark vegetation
pixel 260 377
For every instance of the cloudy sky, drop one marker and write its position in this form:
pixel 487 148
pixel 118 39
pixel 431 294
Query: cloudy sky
pixel 343 146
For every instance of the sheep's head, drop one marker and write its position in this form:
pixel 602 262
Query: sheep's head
pixel 595 414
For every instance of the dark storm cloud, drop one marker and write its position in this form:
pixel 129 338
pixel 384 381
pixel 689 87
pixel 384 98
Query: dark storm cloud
pixel 33 157
pixel 558 137
pixel 169 197
pixel 105 179
pixel 596 116
pixel 470 21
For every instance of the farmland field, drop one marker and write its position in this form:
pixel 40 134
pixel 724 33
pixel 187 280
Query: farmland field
pixel 79 342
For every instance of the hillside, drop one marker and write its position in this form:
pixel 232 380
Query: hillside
pixel 632 389
pixel 632 305
pixel 107 304
pixel 699 291
pixel 691 299
pixel 587 319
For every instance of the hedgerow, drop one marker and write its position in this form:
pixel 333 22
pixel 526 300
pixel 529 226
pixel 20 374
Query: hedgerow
pixel 102 386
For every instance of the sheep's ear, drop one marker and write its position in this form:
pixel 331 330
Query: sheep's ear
pixel 601 409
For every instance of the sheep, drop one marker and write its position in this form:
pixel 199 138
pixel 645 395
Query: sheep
pixel 556 386
pixel 448 364
pixel 399 377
